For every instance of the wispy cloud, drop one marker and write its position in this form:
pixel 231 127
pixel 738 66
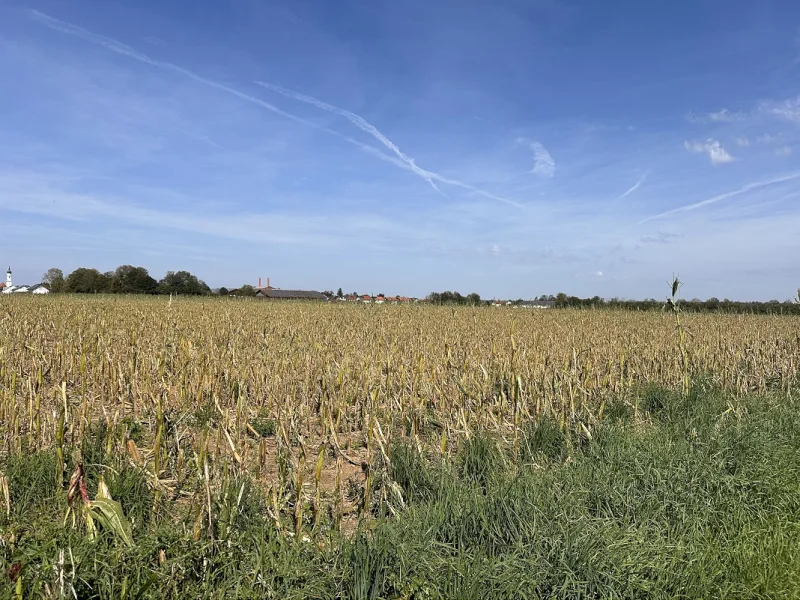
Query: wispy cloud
pixel 544 165
pixel 720 116
pixel 720 197
pixel 783 151
pixel 768 138
pixel 712 147
pixel 47 195
pixel 635 186
pixel 660 237
pixel 787 109
pixel 742 141
pixel 400 160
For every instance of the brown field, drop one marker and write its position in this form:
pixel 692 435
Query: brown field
pixel 305 396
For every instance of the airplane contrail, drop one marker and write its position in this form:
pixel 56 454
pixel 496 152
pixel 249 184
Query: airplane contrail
pixel 359 122
pixel 635 186
pixel 400 159
pixel 367 127
pixel 713 200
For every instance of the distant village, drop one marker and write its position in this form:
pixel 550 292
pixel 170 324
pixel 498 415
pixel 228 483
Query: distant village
pixel 266 292
pixel 9 288
pixel 273 293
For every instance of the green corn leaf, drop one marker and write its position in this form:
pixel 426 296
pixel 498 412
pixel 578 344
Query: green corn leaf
pixel 109 513
pixel 676 284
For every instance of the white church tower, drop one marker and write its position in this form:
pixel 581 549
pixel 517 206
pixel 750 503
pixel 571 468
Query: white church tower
pixel 8 278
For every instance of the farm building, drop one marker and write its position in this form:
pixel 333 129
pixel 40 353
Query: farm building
pixel 276 294
pixel 271 293
pixel 537 304
pixel 525 303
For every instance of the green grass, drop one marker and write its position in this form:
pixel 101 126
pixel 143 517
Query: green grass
pixel 699 497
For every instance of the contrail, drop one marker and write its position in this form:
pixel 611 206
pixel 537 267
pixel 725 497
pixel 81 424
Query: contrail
pixel 401 161
pixel 635 186
pixel 359 122
pixel 742 190
pixel 369 128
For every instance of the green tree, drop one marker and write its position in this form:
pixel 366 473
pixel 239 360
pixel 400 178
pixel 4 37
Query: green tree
pixel 184 283
pixel 223 291
pixel 128 279
pixel 247 290
pixel 86 281
pixel 474 299
pixel 54 280
pixel 339 293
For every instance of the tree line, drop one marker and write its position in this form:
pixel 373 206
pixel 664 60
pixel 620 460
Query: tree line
pixel 125 279
pixel 128 279
pixel 455 298
pixel 694 305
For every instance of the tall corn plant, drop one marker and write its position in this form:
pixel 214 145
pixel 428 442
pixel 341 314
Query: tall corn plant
pixel 673 303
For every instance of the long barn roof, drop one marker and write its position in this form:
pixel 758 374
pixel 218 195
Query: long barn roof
pixel 290 294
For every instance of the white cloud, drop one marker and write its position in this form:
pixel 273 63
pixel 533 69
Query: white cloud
pixel 599 274
pixel 722 115
pixel 544 165
pixel 783 151
pixel 713 148
pixel 742 141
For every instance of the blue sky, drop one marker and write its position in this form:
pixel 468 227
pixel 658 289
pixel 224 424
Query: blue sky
pixel 507 147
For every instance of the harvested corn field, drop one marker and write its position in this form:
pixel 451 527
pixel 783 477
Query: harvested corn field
pixel 308 405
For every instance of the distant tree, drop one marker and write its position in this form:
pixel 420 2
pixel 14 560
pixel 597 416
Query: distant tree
pixel 247 290
pixel 339 293
pixel 223 291
pixel 86 281
pixel 474 299
pixel 434 298
pixel 54 280
pixel 182 282
pixel 328 294
pixel 128 279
